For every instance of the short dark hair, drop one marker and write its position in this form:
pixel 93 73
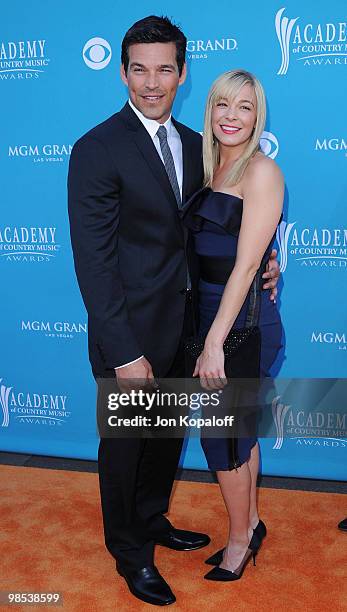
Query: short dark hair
pixel 155 29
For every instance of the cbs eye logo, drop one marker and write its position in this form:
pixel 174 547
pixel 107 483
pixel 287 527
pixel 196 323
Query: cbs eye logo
pixel 269 144
pixel 97 53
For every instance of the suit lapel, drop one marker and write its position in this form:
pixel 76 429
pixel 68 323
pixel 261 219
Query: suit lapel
pixel 145 145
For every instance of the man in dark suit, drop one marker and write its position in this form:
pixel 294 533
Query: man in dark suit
pixel 128 178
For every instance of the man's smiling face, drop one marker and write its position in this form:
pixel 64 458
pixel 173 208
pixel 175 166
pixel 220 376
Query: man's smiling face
pixel 153 78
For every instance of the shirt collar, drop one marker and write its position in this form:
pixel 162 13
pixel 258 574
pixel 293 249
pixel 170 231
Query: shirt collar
pixel 151 125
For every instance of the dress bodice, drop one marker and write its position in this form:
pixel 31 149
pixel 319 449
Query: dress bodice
pixel 215 219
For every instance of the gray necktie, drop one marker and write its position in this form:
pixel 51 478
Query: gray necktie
pixel 169 163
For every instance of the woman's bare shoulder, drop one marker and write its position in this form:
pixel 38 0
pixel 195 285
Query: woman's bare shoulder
pixel 262 168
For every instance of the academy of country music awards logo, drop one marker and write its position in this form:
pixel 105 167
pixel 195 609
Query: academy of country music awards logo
pixel 29 408
pixel 40 153
pixel 54 329
pixel 312 247
pixel 307 427
pixel 28 244
pixel 23 59
pixel 311 44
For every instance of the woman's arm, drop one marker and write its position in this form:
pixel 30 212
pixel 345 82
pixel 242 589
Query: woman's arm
pixel 263 191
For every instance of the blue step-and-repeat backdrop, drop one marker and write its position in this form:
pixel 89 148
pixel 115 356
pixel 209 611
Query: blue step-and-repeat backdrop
pixel 59 76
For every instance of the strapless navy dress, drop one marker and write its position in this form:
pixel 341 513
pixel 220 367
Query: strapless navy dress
pixel 215 220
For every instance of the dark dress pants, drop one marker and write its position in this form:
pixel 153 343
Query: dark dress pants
pixel 136 478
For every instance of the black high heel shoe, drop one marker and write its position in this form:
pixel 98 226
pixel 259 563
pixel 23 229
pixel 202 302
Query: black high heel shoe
pixel 222 575
pixel 259 534
pixel 260 530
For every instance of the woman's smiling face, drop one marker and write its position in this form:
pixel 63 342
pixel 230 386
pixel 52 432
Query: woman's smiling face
pixel 233 120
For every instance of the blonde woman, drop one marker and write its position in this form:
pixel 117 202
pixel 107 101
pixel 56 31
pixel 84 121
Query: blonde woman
pixel 234 220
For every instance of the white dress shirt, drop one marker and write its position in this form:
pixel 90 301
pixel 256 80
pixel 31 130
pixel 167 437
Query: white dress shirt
pixel 175 144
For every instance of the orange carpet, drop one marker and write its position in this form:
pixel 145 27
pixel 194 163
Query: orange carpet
pixel 51 540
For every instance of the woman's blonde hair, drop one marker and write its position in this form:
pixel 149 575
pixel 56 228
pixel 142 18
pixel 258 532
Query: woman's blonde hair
pixel 227 86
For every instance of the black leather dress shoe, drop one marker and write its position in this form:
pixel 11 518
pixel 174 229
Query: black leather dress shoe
pixel 178 539
pixel 343 525
pixel 148 585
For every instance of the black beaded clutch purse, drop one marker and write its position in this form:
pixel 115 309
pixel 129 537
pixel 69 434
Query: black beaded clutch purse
pixel 241 347
pixel 241 351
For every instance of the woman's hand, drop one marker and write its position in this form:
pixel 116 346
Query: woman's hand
pixel 210 367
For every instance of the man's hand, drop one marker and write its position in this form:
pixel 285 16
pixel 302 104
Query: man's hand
pixel 136 376
pixel 272 274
